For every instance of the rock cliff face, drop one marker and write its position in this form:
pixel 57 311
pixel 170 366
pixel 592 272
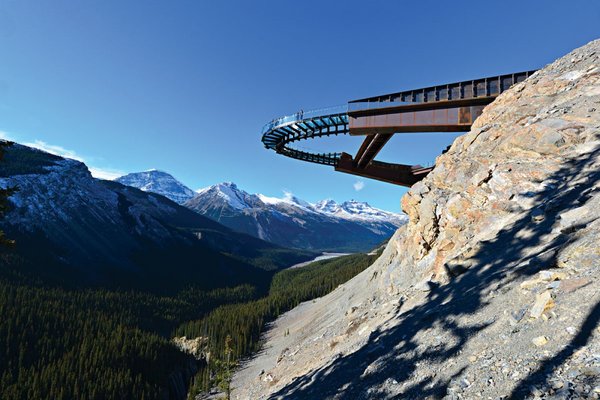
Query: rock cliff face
pixel 534 143
pixel 492 287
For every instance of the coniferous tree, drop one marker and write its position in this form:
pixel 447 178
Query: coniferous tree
pixel 225 369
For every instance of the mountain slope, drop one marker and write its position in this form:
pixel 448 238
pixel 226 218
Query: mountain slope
pixel 325 226
pixel 70 225
pixel 492 289
pixel 158 182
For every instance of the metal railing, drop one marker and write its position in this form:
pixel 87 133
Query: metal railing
pixel 484 87
pixel 304 115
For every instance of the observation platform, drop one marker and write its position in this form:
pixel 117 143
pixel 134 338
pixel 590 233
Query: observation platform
pixel 443 108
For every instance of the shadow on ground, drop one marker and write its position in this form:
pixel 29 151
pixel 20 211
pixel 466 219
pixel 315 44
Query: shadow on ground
pixel 499 262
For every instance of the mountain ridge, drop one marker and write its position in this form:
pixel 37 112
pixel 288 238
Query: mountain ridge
pixel 104 232
pixel 324 226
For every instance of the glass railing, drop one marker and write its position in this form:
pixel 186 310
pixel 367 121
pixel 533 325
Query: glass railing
pixel 303 115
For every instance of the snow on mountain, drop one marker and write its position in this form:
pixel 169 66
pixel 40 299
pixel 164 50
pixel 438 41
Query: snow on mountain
pixel 355 210
pixel 270 200
pixel 287 200
pixel 158 182
pixel 328 206
pixel 239 199
pixel 229 193
pixel 326 225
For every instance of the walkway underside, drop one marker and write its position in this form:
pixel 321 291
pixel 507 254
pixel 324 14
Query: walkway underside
pixel 444 108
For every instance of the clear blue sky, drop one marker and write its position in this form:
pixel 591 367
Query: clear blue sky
pixel 185 86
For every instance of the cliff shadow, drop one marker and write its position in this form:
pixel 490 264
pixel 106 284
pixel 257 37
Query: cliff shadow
pixel 545 370
pixel 391 355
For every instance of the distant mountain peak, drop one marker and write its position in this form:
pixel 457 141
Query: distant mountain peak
pixel 228 193
pixel 326 201
pixel 158 182
pixel 296 222
pixel 229 185
pixel 327 205
pixel 290 198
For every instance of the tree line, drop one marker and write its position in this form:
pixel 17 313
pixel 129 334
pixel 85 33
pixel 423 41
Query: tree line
pixel 234 330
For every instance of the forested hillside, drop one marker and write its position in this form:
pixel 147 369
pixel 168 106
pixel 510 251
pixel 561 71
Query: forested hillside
pixel 243 323
pixel 98 343
pixel 64 343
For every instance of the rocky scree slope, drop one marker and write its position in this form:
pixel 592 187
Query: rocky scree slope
pixel 325 226
pixel 492 289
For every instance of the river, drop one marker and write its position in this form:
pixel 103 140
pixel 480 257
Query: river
pixel 323 256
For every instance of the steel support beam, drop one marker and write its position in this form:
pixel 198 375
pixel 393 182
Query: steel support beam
pixel 398 174
pixel 452 119
pixel 370 148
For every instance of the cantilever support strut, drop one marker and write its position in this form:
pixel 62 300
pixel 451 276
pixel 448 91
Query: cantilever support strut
pixel 398 174
pixel 370 148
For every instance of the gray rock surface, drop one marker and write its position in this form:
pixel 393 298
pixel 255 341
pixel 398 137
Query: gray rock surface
pixel 491 290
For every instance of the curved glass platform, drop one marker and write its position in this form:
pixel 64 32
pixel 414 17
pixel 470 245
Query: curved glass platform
pixel 281 132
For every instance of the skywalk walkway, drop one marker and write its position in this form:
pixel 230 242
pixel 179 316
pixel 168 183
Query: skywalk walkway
pixel 442 108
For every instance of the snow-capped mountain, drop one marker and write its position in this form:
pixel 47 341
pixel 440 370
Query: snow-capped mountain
pixel 158 182
pixel 69 225
pixel 229 194
pixel 326 225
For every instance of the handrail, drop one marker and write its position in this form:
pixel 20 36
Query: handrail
pixel 303 115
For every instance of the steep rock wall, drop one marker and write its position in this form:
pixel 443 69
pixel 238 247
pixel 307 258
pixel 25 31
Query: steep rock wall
pixel 528 146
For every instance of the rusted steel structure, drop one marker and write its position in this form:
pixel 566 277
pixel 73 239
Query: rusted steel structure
pixel 442 108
